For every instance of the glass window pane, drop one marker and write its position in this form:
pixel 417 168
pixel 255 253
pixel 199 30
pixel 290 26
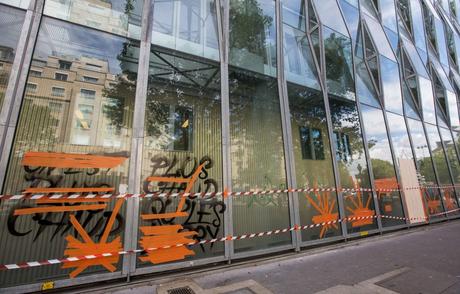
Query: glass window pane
pixel 65 141
pixel 399 137
pixel 425 167
pixel 427 100
pixel 339 65
pixel 182 137
pixel 418 24
pixel 451 154
pixel 416 62
pixel 379 38
pixel 115 16
pixel 351 16
pixel 257 154
pixel 257 159
pixel 189 26
pixel 388 13
pixel 11 21
pixel 441 165
pixel 391 85
pixel 453 110
pixel 298 60
pixel 382 164
pixel 352 163
pixel 253 35
pixel 294 13
pixel 18 3
pixel 313 160
pixel 330 15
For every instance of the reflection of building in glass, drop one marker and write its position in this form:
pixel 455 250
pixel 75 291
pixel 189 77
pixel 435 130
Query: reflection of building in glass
pixel 75 91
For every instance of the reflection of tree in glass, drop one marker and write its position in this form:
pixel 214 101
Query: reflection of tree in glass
pixel 121 93
pixel 248 24
pixel 337 49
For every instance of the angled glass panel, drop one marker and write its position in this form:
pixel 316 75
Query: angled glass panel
pixel 368 7
pixel 383 167
pixel 418 24
pixel 379 38
pixel 329 15
pixel 253 35
pixel 257 155
pixel 412 54
pixel 352 163
pixel 425 169
pixel 365 90
pixel 388 14
pixel 351 16
pixel 189 26
pixel 339 66
pixel 441 74
pixel 409 105
pixel 441 165
pixel 399 137
pixel 18 3
pixel 115 16
pixel 427 100
pixel 298 60
pixel 452 106
pixel 451 154
pixel 294 13
pixel 11 21
pixel 391 85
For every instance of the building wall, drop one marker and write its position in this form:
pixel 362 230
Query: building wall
pixel 240 95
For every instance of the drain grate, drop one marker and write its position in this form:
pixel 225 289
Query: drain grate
pixel 181 290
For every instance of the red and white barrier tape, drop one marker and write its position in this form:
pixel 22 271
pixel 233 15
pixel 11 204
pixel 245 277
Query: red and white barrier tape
pixel 193 243
pixel 210 194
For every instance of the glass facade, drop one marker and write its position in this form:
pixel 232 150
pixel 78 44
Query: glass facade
pixel 353 103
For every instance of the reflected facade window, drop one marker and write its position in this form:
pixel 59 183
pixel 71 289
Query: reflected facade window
pixel 257 155
pixel 11 21
pixel 119 17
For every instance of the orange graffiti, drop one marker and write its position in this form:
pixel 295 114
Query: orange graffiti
pixel 325 207
pixel 359 209
pixel 160 236
pixel 433 202
pixel 89 247
pixel 74 246
pixel 68 160
pixel 450 201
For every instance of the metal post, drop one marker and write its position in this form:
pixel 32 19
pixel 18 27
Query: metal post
pixel 294 215
pixel 9 115
pixel 137 141
pixel 223 22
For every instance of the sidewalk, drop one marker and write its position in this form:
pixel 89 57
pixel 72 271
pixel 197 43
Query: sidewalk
pixel 424 260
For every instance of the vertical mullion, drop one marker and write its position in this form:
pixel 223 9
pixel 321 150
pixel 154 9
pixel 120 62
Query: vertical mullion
pixel 294 215
pixel 137 141
pixel 9 115
pixel 223 24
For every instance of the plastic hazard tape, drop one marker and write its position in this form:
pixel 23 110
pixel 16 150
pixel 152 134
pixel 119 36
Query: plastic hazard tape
pixel 211 194
pixel 193 243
